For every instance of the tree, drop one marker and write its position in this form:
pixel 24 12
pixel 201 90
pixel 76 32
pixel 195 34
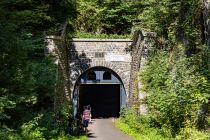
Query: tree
pixel 110 17
pixel 27 77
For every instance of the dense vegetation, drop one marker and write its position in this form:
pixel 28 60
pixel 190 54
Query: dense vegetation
pixel 27 76
pixel 176 77
pixel 100 17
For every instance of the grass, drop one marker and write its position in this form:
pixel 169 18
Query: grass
pixel 147 133
pixel 100 36
pixel 79 138
pixel 143 134
pixel 62 136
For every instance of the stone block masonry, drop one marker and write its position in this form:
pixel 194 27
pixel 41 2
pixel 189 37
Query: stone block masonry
pixel 123 56
pixel 109 53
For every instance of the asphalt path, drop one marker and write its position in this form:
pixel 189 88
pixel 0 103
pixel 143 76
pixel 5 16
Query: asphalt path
pixel 104 129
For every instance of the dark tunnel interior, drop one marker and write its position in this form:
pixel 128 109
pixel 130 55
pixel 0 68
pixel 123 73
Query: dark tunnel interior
pixel 104 99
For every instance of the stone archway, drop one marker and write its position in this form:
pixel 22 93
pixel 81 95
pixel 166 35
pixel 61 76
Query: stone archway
pixel 77 70
pixel 123 75
pixel 108 95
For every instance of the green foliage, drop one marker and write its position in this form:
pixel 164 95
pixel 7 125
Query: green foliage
pixel 34 130
pixel 176 76
pixel 108 17
pixel 168 17
pixel 131 123
pixel 31 130
pixel 192 133
pixel 179 88
pixel 88 19
pixel 62 136
pixel 37 16
pixel 9 135
pixel 100 36
pixel 140 128
pixel 27 76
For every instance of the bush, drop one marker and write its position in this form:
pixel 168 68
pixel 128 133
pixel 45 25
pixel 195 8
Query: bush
pixel 137 126
pixel 141 127
pixel 176 90
pixel 33 130
pixel 9 134
pixel 192 134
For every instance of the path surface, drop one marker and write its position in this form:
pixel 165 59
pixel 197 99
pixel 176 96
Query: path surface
pixel 104 129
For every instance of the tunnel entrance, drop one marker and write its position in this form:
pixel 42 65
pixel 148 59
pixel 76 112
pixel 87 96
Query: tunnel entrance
pixel 104 99
pixel 102 89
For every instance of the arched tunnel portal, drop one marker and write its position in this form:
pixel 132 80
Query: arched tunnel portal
pixel 102 89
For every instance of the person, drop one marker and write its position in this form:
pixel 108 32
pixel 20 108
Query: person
pixel 89 108
pixel 86 117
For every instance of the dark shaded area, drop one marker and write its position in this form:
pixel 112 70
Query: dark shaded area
pixel 91 75
pixel 107 76
pixel 91 135
pixel 29 78
pixel 103 98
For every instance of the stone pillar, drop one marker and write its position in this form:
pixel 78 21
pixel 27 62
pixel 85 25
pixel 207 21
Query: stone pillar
pixel 142 43
pixel 56 47
pixel 135 65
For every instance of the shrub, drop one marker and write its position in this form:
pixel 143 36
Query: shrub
pixel 192 134
pixel 137 126
pixel 176 90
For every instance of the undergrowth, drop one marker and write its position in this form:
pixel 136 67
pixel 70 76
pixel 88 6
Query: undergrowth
pixel 35 130
pixel 140 128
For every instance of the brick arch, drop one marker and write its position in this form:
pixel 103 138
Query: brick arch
pixel 109 65
pixel 79 70
pixel 106 66
pixel 89 53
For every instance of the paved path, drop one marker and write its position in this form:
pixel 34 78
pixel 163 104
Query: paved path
pixel 104 129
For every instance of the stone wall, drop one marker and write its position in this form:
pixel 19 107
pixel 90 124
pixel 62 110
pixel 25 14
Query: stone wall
pixel 56 46
pixel 125 57
pixel 109 53
pixel 142 43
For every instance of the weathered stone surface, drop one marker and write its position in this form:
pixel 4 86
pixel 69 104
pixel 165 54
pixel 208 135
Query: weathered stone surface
pixel 109 53
pixel 142 43
pixel 124 57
